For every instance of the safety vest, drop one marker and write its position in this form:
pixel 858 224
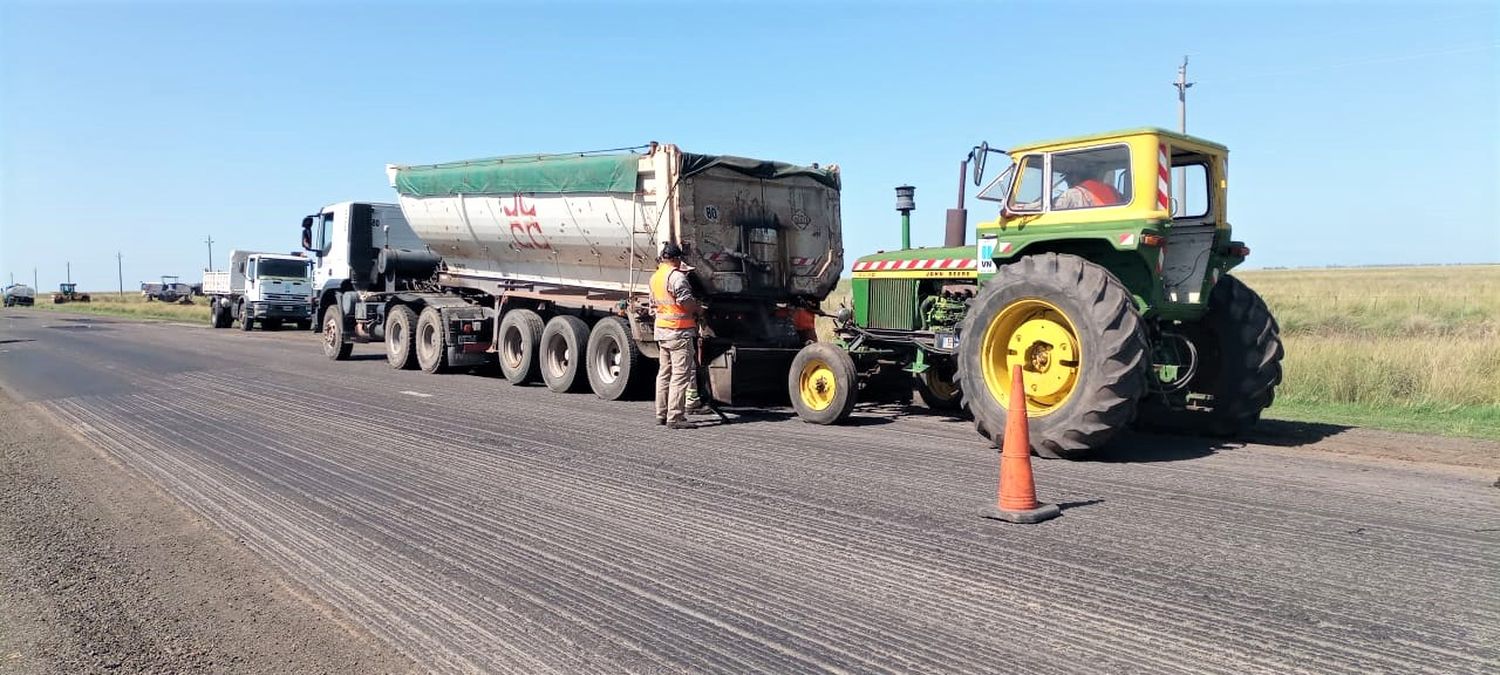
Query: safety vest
pixel 670 313
pixel 1103 195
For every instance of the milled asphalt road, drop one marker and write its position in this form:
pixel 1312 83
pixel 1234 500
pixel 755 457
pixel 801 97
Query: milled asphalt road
pixel 480 526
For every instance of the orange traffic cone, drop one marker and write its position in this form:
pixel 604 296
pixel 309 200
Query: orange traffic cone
pixel 1017 502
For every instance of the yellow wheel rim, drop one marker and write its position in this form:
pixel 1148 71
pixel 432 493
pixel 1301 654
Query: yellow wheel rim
pixel 940 385
pixel 1038 337
pixel 817 385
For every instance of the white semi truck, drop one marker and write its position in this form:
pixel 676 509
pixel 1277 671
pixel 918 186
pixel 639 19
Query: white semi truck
pixel 269 288
pixel 542 262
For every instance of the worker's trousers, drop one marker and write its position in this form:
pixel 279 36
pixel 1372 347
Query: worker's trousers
pixel 676 369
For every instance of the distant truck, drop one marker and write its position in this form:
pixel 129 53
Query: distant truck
pixel 19 294
pixel 542 263
pixel 269 288
pixel 168 290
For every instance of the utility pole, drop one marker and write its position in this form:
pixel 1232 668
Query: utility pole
pixel 1182 86
pixel 70 271
pixel 120 269
pixel 33 279
pixel 210 242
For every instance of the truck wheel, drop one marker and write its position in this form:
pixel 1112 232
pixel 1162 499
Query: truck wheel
pixel 213 315
pixel 615 364
pixel 1239 364
pixel 938 388
pixel 246 323
pixel 432 345
pixel 564 341
pixel 823 384
pixel 520 333
pixel 1075 332
pixel 335 344
pixel 400 338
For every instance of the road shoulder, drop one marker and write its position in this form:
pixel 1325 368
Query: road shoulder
pixel 100 570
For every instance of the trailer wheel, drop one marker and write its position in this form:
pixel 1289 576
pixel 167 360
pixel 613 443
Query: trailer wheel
pixel 564 341
pixel 520 333
pixel 335 346
pixel 400 338
pixel 615 363
pixel 823 384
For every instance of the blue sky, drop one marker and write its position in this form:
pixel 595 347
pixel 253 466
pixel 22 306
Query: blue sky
pixel 1359 133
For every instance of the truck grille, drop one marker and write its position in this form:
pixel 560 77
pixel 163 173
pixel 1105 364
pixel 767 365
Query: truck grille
pixel 285 297
pixel 893 303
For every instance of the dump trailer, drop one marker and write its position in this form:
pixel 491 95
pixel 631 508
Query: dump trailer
pixel 1104 278
pixel 268 288
pixel 542 263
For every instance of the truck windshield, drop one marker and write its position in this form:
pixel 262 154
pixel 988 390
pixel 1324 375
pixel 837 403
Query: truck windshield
pixel 270 267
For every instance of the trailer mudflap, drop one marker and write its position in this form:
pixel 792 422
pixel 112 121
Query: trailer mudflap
pixel 744 375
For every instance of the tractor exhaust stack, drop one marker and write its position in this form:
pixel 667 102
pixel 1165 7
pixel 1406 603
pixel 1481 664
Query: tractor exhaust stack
pixel 957 226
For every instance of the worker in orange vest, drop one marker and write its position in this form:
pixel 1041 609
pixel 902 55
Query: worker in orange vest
pixel 676 337
pixel 1088 189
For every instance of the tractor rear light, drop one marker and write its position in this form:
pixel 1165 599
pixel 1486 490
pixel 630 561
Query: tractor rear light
pixel 1152 240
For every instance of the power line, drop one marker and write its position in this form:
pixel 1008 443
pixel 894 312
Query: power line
pixel 1362 62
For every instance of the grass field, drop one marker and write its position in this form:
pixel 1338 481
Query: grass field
pixel 131 305
pixel 1403 348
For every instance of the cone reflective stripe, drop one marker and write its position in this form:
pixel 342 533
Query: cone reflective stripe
pixel 1017 502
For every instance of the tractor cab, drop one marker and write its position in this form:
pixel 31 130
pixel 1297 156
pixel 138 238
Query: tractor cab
pixel 1148 204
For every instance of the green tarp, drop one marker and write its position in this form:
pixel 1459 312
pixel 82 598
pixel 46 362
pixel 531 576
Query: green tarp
pixel 509 175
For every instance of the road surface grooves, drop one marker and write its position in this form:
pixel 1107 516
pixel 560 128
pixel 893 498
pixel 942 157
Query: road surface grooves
pixel 501 528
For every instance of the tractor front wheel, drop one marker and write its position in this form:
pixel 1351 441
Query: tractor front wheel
pixel 1238 365
pixel 1079 340
pixel 823 384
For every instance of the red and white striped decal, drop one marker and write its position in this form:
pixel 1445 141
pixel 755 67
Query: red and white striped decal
pixel 1163 178
pixel 914 264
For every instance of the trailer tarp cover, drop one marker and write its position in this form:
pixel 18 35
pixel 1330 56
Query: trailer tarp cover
pixel 509 175
pixel 695 164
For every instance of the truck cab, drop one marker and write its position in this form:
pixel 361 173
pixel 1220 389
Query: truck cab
pixel 269 288
pixel 345 240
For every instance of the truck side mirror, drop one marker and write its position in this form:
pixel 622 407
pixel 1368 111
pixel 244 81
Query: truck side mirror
pixel 307 223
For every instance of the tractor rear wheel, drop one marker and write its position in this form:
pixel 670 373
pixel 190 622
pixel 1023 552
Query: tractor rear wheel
pixel 1079 340
pixel 1239 365
pixel 823 384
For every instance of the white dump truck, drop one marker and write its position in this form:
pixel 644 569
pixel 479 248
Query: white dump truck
pixel 269 288
pixel 543 262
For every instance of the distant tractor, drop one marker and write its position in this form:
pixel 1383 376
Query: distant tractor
pixel 1104 279
pixel 68 292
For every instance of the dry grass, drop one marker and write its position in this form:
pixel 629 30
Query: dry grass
pixel 131 305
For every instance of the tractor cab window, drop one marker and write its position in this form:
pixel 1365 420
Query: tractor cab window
pixel 1029 178
pixel 1097 177
pixel 1189 189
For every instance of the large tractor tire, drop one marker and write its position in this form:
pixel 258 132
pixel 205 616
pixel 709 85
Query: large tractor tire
pixel 401 338
pixel 565 339
pixel 1075 332
pixel 520 337
pixel 616 367
pixel 336 345
pixel 1239 364
pixel 823 384
pixel 431 341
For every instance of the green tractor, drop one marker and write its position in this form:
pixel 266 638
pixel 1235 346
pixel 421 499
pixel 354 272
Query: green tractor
pixel 1104 279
